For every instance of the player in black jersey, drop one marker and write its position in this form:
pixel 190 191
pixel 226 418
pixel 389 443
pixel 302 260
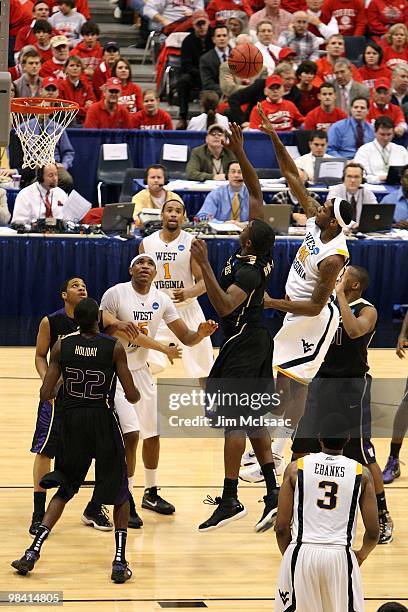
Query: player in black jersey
pixel 392 468
pixel 343 385
pixel 88 362
pixel 44 444
pixel 247 349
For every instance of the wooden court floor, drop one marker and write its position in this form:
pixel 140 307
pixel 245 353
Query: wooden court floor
pixel 230 569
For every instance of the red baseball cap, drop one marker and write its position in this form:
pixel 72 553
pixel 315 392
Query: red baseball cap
pixel 47 81
pixel 274 79
pixel 286 52
pixel 114 83
pixel 382 84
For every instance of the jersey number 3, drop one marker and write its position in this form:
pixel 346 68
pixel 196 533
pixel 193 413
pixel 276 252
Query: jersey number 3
pixel 329 501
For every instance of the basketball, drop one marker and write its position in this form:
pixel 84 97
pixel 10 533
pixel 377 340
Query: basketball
pixel 245 61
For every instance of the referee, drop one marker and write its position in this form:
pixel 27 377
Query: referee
pixel 88 362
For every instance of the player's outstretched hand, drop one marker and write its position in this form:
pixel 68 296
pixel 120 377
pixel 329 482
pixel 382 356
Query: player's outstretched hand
pixel 266 125
pixel 402 345
pixel 207 329
pixel 174 352
pixel 234 140
pixel 199 251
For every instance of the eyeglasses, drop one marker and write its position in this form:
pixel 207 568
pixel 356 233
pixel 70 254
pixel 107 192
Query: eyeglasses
pixel 51 88
pixel 113 91
pixel 200 23
pixel 215 133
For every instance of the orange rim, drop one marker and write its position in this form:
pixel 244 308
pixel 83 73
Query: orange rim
pixel 33 106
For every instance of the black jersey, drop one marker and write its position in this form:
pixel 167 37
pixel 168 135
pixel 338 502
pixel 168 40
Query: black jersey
pixel 60 325
pixel 348 357
pixel 87 369
pixel 251 274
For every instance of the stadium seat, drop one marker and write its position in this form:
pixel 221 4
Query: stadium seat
pixel 268 173
pixel 128 190
pixel 111 171
pixel 176 169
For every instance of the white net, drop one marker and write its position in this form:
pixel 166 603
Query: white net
pixel 39 130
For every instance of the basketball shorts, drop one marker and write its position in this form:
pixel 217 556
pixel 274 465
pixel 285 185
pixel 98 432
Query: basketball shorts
pixel 319 578
pixel 300 346
pixel 244 366
pixel 89 433
pixel 141 417
pixel 349 397
pixel 47 428
pixel 197 360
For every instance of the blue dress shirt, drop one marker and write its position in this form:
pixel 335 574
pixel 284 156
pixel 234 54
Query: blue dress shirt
pixel 401 202
pixel 342 137
pixel 218 204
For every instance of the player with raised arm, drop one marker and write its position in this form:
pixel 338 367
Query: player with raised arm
pixel 245 357
pixel 88 362
pixel 312 317
pixel 316 525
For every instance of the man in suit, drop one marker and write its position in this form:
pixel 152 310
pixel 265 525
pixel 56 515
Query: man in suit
pixel 210 61
pixel 348 135
pixel 346 88
pixel 353 190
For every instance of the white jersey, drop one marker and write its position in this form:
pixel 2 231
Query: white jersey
pixel 326 497
pixel 124 303
pixel 174 263
pixel 304 273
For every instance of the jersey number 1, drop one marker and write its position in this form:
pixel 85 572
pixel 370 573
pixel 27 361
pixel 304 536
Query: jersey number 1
pixel 329 501
pixel 167 274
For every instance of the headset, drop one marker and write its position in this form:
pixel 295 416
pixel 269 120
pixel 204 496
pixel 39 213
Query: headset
pixel 157 167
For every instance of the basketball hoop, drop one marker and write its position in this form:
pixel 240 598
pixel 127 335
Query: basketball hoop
pixel 39 123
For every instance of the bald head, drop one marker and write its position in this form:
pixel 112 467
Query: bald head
pixel 300 22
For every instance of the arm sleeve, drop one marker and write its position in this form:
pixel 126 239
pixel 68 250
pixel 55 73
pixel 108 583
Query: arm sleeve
pixel 207 77
pixel 110 301
pixel 333 136
pixel 247 278
pixel 254 119
pixel 152 8
pixel 91 119
pixel 209 206
pixel 67 152
pixel 168 122
pixel 361 21
pixel 20 214
pixel 193 172
pixel 329 29
pixel 170 313
pixel 309 123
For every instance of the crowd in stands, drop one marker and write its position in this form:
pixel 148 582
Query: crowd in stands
pixel 356 106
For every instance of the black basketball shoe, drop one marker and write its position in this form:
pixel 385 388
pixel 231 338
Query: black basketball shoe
pixel 152 501
pixel 35 523
pixel 97 518
pixel 268 517
pixel 229 509
pixel 120 572
pixel 134 522
pixel 27 562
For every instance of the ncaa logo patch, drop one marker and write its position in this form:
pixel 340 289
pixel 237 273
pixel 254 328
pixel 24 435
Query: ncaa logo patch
pixel 155 305
pixel 316 251
pixel 181 247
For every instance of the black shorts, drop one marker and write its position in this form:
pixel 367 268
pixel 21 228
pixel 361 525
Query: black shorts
pixel 349 397
pixel 243 369
pixel 92 433
pixel 47 428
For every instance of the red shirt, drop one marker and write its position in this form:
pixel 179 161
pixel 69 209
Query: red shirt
pixel 284 116
pixel 309 100
pixel 325 72
pixel 392 58
pixel 80 94
pixel 318 119
pixel 293 5
pixel 101 75
pixel 377 21
pixel 45 54
pixel 131 97
pixel 97 116
pixel 91 58
pixel 160 121
pixel 392 111
pixel 21 15
pixel 52 68
pixel 350 15
pixel 222 10
pixel 369 75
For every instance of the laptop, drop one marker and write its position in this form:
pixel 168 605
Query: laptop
pixel 394 175
pixel 117 217
pixel 278 216
pixel 329 170
pixel 376 217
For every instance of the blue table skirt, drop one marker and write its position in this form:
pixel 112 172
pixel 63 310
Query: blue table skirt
pixel 33 268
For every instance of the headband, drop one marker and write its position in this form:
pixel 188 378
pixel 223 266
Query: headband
pixel 135 259
pixel 337 214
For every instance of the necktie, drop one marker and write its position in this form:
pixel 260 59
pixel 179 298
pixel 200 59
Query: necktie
pixel 235 208
pixel 359 134
pixel 354 205
pixel 224 57
pixel 48 205
pixel 343 99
